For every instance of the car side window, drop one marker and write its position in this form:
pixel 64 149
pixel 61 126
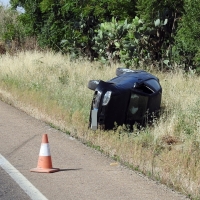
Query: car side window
pixel 153 84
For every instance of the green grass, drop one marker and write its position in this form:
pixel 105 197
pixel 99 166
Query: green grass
pixel 50 87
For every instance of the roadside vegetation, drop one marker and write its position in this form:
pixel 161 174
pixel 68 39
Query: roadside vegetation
pixel 54 89
pixel 50 52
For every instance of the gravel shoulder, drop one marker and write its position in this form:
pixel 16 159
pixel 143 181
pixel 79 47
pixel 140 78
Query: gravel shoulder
pixel 84 173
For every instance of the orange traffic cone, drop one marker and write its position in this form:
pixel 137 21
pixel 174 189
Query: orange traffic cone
pixel 44 161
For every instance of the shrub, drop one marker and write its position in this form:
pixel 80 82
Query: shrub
pixel 11 28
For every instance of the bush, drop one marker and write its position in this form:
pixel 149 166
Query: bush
pixel 11 29
pixel 120 41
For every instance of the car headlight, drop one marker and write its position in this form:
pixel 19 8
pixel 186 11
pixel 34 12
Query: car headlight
pixel 106 98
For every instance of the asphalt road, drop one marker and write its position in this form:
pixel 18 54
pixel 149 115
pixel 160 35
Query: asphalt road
pixel 84 173
pixel 9 189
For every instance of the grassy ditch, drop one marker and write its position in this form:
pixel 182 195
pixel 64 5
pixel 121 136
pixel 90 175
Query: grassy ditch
pixel 50 87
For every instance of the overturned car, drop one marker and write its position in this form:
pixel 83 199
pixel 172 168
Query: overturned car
pixel 133 96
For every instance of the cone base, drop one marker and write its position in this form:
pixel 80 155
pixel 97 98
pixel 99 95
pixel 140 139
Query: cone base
pixel 41 170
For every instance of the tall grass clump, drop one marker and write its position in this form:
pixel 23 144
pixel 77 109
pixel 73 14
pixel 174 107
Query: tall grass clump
pixel 50 87
pixel 51 83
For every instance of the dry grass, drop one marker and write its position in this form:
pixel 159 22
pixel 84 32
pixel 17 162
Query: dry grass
pixel 50 87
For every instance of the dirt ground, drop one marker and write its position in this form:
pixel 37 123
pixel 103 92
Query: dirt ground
pixel 84 173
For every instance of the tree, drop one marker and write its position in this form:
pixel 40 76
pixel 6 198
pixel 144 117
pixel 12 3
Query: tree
pixel 69 25
pixel 188 35
pixel 161 18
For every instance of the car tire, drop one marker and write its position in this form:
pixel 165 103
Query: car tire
pixel 92 84
pixel 120 71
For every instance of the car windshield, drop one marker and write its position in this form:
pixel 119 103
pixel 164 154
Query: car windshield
pixel 137 107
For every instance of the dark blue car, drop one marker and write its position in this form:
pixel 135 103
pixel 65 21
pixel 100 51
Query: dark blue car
pixel 132 96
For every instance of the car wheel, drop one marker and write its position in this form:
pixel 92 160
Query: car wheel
pixel 92 84
pixel 120 71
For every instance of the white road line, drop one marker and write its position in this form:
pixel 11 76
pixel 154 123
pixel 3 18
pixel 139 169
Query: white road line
pixel 28 188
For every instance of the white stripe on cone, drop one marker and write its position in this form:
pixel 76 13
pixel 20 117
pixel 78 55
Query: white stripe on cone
pixel 44 150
